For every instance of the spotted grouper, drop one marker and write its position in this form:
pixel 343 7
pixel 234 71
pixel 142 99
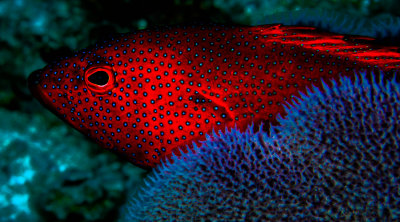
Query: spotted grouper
pixel 151 93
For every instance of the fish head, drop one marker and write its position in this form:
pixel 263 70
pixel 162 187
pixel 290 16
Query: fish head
pixel 118 97
pixel 86 91
pixel 61 86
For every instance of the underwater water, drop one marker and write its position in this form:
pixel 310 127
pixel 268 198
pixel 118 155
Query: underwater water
pixel 49 171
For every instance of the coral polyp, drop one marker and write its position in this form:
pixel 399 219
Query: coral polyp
pixel 335 156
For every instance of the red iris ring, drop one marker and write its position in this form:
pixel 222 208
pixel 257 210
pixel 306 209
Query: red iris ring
pixel 100 89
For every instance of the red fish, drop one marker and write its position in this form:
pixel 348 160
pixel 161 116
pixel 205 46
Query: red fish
pixel 149 93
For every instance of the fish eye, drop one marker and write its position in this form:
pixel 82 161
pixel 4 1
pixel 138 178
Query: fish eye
pixel 100 78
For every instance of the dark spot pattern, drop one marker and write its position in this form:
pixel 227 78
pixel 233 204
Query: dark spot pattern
pixel 169 87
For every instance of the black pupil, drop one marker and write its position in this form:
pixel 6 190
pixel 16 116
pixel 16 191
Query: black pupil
pixel 99 78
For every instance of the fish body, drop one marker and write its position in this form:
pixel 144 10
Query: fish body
pixel 149 93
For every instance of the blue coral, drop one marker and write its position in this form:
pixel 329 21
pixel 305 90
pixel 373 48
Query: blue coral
pixel 335 156
pixel 350 137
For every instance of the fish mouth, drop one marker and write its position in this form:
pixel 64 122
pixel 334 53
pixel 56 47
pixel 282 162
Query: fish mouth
pixel 34 77
pixel 34 80
pixel 34 84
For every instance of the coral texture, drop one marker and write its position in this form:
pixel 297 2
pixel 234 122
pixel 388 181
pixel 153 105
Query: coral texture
pixel 334 157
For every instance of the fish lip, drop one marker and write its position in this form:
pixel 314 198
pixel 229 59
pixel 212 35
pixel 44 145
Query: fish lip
pixel 34 80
